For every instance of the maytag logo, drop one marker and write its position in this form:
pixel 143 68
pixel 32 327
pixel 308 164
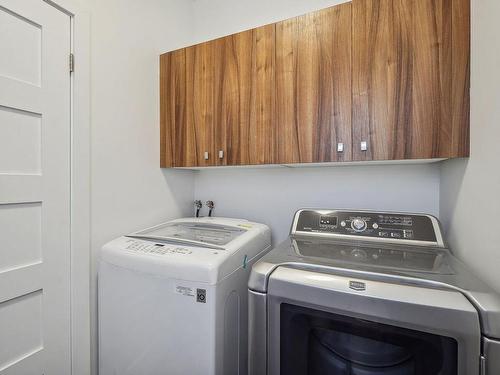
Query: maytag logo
pixel 357 285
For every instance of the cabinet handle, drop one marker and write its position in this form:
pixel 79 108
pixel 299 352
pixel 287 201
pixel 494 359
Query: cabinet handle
pixel 205 155
pixel 340 147
pixel 364 146
pixel 221 154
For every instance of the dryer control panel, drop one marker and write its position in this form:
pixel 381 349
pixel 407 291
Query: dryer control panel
pixel 369 225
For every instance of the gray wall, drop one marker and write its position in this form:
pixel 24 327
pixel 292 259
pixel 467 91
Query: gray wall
pixel 271 196
pixel 470 190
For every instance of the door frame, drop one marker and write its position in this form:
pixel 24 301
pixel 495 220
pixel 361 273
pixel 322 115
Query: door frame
pixel 80 185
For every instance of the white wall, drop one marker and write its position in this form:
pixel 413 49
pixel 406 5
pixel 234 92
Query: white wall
pixel 129 190
pixel 271 196
pixel 470 193
pixel 216 18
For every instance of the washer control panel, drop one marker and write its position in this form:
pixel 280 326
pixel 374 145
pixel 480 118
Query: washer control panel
pixel 392 227
pixel 144 247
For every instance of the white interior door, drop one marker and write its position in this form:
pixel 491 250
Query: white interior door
pixel 34 189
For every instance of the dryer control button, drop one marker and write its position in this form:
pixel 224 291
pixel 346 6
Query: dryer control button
pixel 358 225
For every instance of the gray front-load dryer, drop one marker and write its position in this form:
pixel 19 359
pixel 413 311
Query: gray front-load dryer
pixel 369 293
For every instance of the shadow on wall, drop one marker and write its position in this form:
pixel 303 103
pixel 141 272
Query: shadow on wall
pixel 179 182
pixel 453 175
pixel 469 206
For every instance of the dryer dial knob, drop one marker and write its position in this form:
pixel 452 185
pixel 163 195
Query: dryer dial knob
pixel 359 254
pixel 358 225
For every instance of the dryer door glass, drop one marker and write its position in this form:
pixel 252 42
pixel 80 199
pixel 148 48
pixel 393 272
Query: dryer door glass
pixel 316 343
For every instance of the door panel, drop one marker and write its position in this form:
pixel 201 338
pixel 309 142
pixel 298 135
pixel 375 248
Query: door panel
pixel 24 51
pixel 244 97
pixel 313 86
pixel 402 79
pixel 26 311
pixel 34 188
pixel 20 149
pixel 21 234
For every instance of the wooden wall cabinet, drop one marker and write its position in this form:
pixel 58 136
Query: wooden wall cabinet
pixel 389 75
pixel 243 105
pixel 217 101
pixel 410 79
pixel 313 87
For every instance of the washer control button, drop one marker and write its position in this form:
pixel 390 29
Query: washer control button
pixel 375 226
pixel 343 223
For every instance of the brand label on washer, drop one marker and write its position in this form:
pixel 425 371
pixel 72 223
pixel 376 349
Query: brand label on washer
pixel 185 291
pixel 201 295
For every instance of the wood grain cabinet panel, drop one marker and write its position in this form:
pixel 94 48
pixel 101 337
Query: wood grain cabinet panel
pixel 199 127
pixel 186 106
pixel 173 109
pixel 244 97
pixel 313 86
pixel 403 80
pixel 460 128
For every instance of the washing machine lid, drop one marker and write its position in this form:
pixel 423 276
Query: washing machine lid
pixel 196 233
pixel 196 249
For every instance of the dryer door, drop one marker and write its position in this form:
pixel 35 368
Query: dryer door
pixel 328 324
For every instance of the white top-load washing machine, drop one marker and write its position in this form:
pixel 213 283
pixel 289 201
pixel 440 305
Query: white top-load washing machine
pixel 173 298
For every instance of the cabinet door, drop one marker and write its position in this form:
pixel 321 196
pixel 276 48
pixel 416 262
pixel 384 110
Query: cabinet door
pixel 186 106
pixel 195 138
pixel 173 108
pixel 313 86
pixel 403 79
pixel 244 97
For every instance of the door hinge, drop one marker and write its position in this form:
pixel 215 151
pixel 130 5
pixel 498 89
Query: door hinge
pixel 71 63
